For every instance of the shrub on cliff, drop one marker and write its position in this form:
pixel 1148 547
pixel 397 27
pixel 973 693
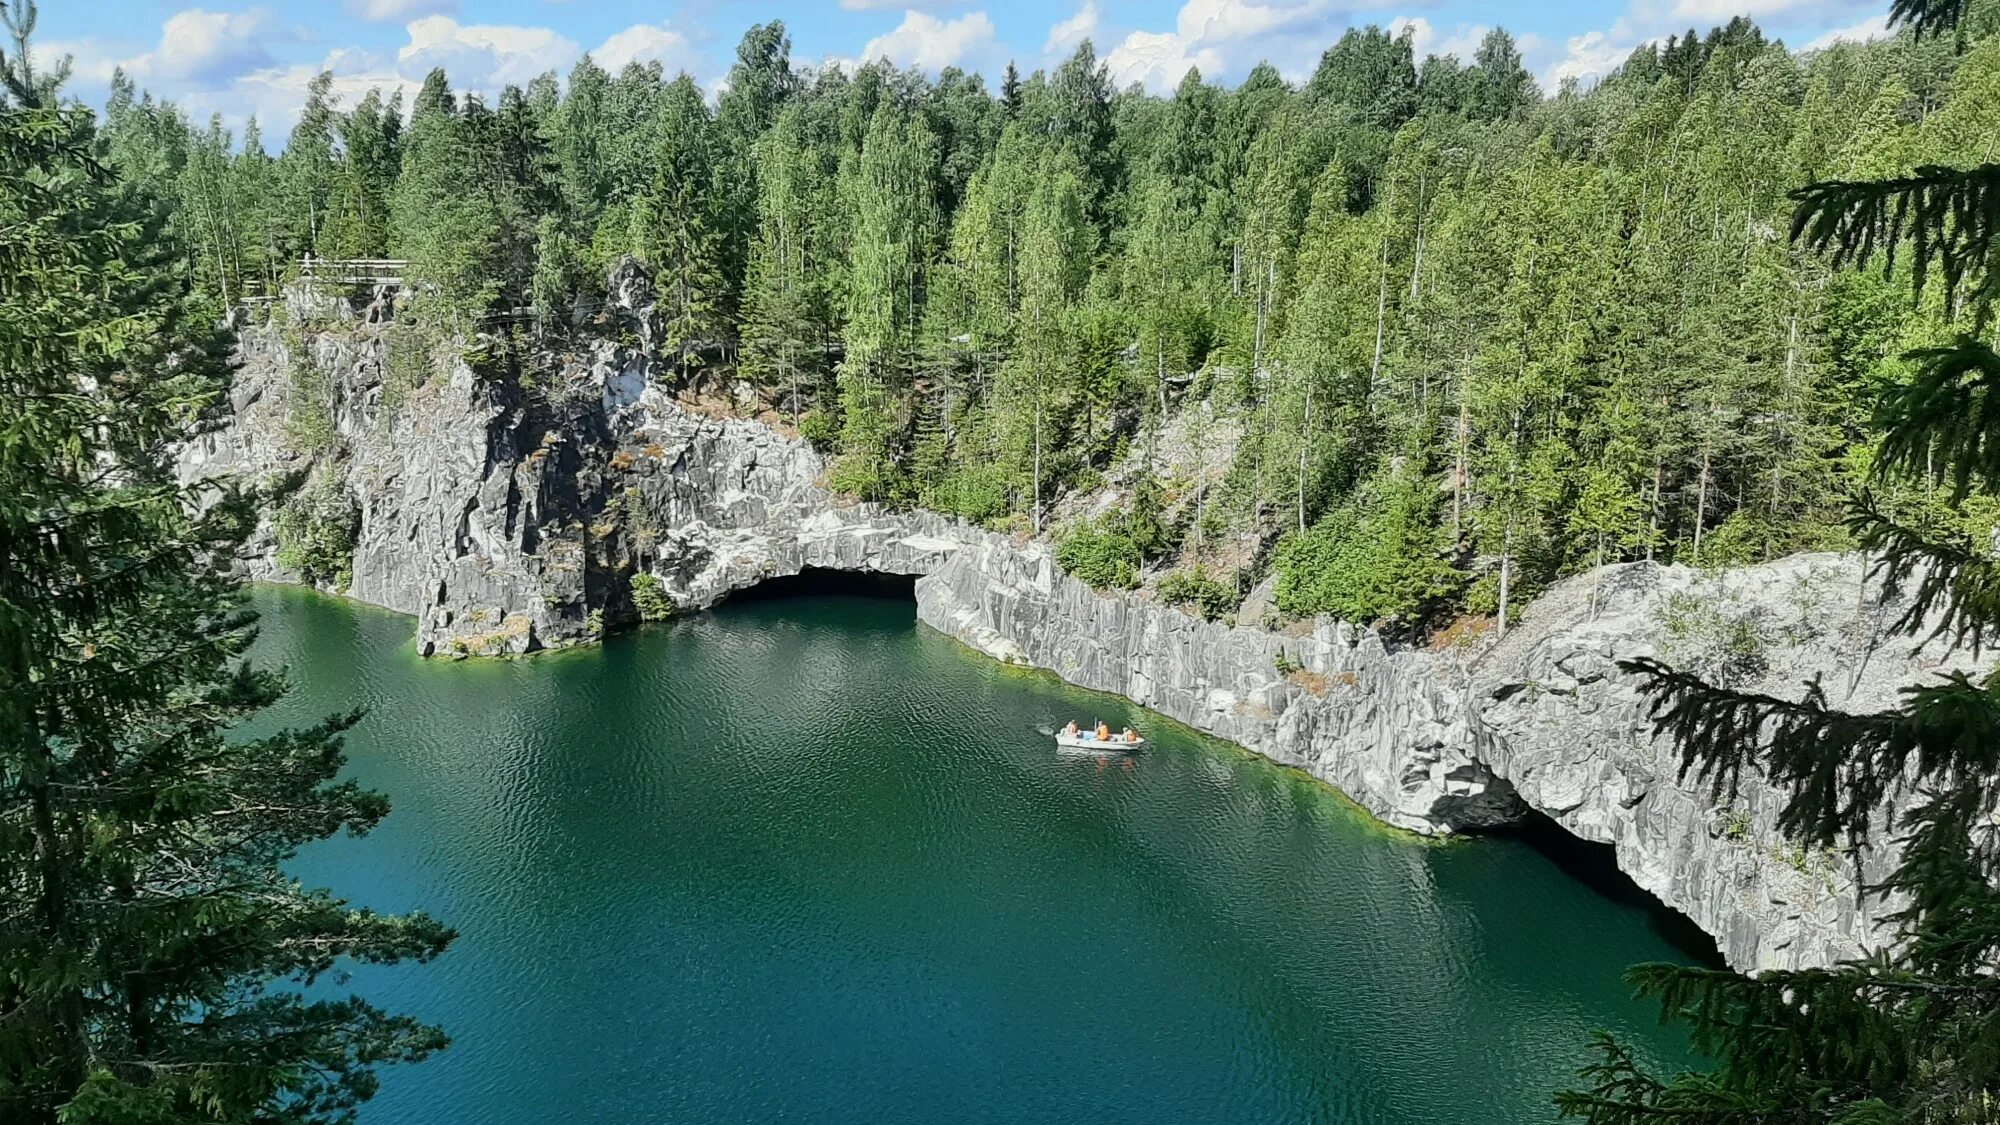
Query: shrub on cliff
pixel 650 599
pixel 316 529
pixel 1207 595
pixel 1101 553
pixel 1374 560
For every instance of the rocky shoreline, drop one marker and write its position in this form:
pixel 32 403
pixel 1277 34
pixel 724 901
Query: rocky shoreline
pixel 509 517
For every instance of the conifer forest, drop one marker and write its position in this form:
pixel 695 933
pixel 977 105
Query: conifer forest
pixel 1454 336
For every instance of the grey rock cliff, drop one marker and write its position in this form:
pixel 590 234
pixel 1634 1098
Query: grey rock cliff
pixel 510 513
pixel 1440 741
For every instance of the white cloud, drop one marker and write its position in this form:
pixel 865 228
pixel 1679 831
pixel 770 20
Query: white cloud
pixel 1461 42
pixel 1865 31
pixel 1586 58
pixel 197 49
pixel 647 42
pixel 482 56
pixel 91 62
pixel 274 95
pixel 387 11
pixel 1227 37
pixel 1066 34
pixel 1158 60
pixel 1708 13
pixel 929 43
pixel 887 5
pixel 1231 21
pixel 217 63
pixel 203 47
pixel 1594 54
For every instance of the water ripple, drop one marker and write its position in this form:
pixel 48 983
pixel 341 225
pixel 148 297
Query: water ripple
pixel 804 860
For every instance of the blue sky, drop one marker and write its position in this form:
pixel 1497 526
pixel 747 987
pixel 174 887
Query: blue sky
pixel 238 57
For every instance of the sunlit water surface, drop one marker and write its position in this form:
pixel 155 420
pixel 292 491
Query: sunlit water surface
pixel 806 860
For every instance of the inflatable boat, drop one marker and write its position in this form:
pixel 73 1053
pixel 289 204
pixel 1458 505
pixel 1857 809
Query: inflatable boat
pixel 1084 740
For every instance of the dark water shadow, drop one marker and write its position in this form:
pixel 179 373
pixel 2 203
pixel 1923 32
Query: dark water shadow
pixel 814 582
pixel 1596 866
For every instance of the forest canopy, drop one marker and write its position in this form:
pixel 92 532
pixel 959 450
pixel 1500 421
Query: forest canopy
pixel 1453 336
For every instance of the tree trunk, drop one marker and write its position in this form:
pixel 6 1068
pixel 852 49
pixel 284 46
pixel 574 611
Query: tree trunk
pixel 1701 503
pixel 1037 507
pixel 1381 314
pixel 1458 470
pixel 1653 521
pixel 53 903
pixel 1597 581
pixel 1506 571
pixel 1417 262
pixel 1305 446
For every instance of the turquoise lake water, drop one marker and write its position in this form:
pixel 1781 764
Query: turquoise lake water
pixel 805 860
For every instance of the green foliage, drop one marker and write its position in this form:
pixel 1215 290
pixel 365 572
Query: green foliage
pixel 1576 313
pixel 1378 561
pixel 1102 553
pixel 316 529
pixel 819 428
pixel 1207 595
pixel 678 223
pixel 408 362
pixel 1721 644
pixel 309 409
pixel 649 597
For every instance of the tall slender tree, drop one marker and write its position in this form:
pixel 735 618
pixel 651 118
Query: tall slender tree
pixel 156 962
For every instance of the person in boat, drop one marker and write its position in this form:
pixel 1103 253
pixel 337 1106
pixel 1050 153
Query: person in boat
pixel 1131 735
pixel 1070 730
pixel 1103 732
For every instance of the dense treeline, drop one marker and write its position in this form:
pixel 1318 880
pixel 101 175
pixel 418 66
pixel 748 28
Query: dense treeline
pixel 1453 338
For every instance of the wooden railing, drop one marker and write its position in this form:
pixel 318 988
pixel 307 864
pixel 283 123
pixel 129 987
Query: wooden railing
pixel 352 271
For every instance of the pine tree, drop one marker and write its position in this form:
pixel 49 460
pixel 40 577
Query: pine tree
pixel 153 952
pixel 787 307
pixel 255 199
pixel 760 83
pixel 1905 1034
pixel 307 168
pixel 1370 72
pixel 1497 85
pixel 888 190
pixel 1010 91
pixel 1057 244
pixel 444 217
pixel 679 224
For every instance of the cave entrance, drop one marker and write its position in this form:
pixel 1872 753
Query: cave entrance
pixel 1596 866
pixel 817 581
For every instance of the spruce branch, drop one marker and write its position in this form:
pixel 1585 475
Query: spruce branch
pixel 1836 766
pixel 1948 415
pixel 1948 216
pixel 1928 17
pixel 1951 585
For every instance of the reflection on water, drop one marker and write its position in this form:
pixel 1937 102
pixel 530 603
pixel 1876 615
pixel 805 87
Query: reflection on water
pixel 803 859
